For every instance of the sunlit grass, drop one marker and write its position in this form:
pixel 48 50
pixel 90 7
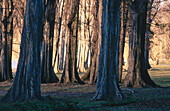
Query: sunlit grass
pixel 160 74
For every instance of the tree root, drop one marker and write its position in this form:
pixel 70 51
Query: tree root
pixel 127 89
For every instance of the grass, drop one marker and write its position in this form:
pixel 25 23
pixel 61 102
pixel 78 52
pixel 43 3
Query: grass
pixel 50 104
pixel 161 75
pixel 5 107
pixel 77 97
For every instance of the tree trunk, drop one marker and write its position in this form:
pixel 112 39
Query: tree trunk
pixel 27 83
pixel 92 70
pixel 137 72
pixel 6 40
pixel 1 14
pixel 47 72
pixel 107 78
pixel 94 56
pixel 124 17
pixel 58 40
pixel 70 74
pixel 147 42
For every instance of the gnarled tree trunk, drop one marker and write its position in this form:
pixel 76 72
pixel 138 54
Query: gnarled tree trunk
pixel 27 83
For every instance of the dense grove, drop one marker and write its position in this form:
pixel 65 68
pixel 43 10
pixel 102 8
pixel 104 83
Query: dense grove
pixel 83 42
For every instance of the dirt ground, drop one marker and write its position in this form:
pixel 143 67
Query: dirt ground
pixel 149 99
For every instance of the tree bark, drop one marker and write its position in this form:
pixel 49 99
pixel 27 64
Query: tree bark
pixel 92 70
pixel 58 39
pixel 70 74
pixel 147 42
pixel 47 71
pixel 107 78
pixel 6 40
pixel 27 83
pixel 1 14
pixel 94 56
pixel 137 72
pixel 124 17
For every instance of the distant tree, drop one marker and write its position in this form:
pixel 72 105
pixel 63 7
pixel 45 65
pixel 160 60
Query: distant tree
pixel 57 53
pixel 70 73
pixel 92 70
pixel 137 75
pixel 47 71
pixel 27 83
pixel 124 18
pixel 6 36
pixel 107 78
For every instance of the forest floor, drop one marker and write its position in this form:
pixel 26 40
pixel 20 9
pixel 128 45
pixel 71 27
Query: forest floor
pixel 143 99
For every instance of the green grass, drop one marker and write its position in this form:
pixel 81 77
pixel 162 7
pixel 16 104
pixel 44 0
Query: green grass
pixel 77 97
pixel 5 107
pixel 161 75
pixel 49 104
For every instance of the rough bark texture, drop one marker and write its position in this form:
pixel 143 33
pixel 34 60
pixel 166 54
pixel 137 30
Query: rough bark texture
pixel 6 40
pixel 70 74
pixel 124 17
pixel 47 72
pixel 27 83
pixel 137 72
pixel 107 78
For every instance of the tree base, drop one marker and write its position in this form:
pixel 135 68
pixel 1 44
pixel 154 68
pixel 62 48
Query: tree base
pixel 9 98
pixel 145 81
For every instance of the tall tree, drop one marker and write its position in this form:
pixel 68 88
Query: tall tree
pixel 124 18
pixel 70 74
pixel 60 50
pixel 47 71
pixel 1 14
pixel 27 83
pixel 92 71
pixel 107 78
pixel 137 75
pixel 6 40
pixel 150 18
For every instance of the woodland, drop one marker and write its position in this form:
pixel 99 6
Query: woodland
pixel 60 55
